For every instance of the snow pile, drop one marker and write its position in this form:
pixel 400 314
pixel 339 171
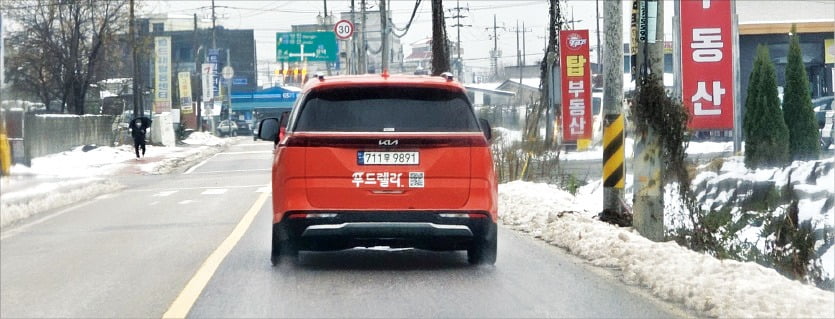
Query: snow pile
pixel 736 188
pixel 21 205
pixel 813 181
pixel 80 163
pixel 203 138
pixel 709 147
pixel 722 288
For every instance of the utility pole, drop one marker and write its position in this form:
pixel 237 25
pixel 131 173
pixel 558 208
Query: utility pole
pixel 352 62
pixel 384 53
pixel 363 56
pixel 214 41
pixel 648 216
pixel 458 25
pixel 197 88
pixel 597 31
pixel 518 53
pixel 440 48
pixel 229 89
pixel 136 90
pixel 494 62
pixel 524 51
pixel 613 122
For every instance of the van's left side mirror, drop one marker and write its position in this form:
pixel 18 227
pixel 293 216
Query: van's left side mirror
pixel 268 129
pixel 486 129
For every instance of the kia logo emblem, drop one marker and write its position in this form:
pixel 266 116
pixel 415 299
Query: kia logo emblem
pixel 388 142
pixel 575 41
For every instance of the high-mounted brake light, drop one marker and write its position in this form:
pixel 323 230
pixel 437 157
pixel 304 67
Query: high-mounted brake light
pixel 385 73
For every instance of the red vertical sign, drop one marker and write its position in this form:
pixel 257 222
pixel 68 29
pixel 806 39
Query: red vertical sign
pixel 576 84
pixel 707 63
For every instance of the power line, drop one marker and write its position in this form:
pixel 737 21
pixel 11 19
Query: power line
pixel 406 29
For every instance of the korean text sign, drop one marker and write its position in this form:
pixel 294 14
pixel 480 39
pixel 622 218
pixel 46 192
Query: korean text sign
pixel 576 84
pixel 162 74
pixel 707 63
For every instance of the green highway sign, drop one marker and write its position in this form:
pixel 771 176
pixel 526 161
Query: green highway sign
pixel 306 46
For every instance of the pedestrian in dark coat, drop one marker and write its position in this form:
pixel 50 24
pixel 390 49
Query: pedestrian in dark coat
pixel 137 131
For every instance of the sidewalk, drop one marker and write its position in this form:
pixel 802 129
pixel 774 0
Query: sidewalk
pixel 69 177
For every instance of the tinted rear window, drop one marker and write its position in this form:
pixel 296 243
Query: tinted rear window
pixel 386 109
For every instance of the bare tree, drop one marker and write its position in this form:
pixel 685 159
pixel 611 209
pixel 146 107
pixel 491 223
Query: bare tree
pixel 62 46
pixel 552 52
pixel 440 45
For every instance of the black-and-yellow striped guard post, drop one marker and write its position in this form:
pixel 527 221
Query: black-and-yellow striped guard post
pixel 613 153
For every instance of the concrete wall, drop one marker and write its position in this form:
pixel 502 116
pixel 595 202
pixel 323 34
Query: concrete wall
pixel 53 133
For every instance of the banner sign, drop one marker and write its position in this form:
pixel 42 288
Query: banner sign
pixel 707 63
pixel 633 40
pixel 576 84
pixel 206 72
pixel 184 80
pixel 212 57
pixel 829 52
pixel 162 74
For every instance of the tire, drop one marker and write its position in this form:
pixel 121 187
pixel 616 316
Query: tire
pixel 483 251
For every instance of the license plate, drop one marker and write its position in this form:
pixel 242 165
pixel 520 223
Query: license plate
pixel 387 158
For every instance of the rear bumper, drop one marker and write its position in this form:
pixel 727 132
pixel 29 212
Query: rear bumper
pixel 387 229
pixel 424 230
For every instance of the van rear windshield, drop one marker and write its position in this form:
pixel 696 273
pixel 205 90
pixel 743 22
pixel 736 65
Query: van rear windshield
pixel 386 109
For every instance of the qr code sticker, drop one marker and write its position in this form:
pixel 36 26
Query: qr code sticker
pixel 416 179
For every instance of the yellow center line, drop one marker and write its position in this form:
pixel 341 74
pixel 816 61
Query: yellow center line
pixel 186 299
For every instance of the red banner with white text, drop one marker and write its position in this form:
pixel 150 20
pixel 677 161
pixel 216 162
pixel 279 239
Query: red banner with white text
pixel 707 63
pixel 576 84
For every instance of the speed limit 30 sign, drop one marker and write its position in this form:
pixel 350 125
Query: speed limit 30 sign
pixel 343 29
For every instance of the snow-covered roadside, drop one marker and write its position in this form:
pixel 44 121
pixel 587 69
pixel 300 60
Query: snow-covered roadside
pixel 69 177
pixel 722 288
pixel 20 205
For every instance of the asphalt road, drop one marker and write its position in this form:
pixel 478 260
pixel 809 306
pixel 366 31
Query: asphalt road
pixel 168 244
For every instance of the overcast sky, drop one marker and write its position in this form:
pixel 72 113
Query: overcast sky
pixel 269 17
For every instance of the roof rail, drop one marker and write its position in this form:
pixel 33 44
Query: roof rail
pixel 448 76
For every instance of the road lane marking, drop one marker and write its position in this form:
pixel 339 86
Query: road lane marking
pixel 190 170
pixel 186 299
pixel 237 171
pixel 245 152
pixel 164 193
pixel 195 188
pixel 153 203
pixel 214 191
pixel 187 201
pixel 265 189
